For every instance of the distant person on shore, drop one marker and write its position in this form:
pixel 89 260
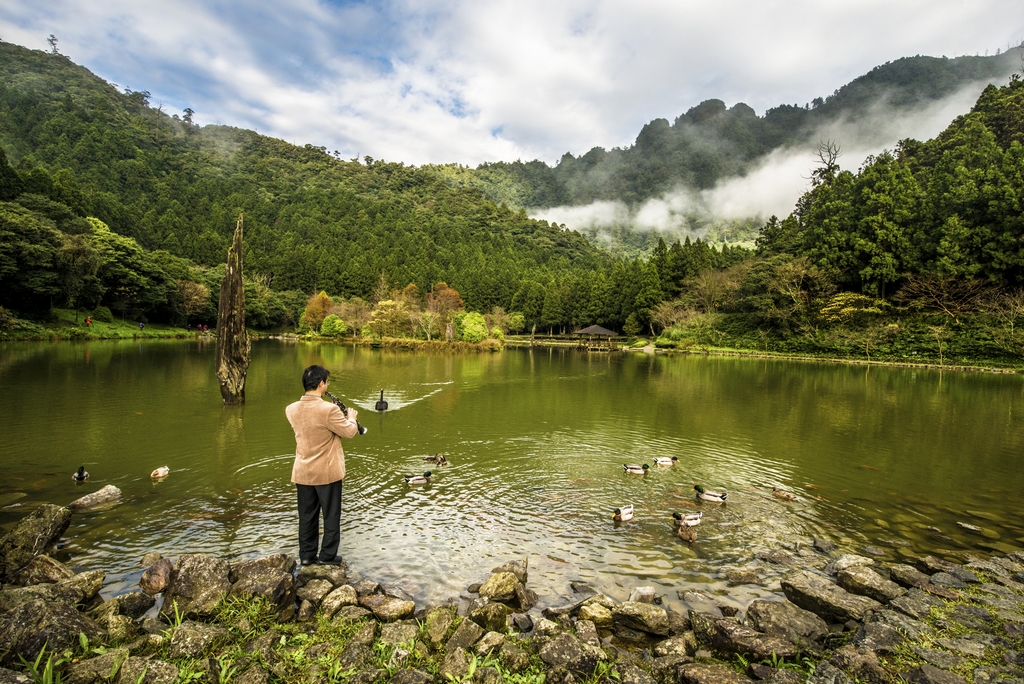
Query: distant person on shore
pixel 319 467
pixel 88 320
pixel 141 325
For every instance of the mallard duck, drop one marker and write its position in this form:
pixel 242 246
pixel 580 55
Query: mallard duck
pixel 417 479
pixel 161 472
pixel 709 495
pixel 665 460
pixel 81 476
pixel 623 514
pixel 439 459
pixel 783 494
pixel 381 405
pixel 634 469
pixel 687 533
pixel 688 520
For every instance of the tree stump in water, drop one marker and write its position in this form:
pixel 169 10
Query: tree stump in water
pixel 232 340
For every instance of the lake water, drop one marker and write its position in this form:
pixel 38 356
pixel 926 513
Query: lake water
pixel 889 457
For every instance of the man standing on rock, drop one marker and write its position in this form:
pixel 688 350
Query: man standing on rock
pixel 319 465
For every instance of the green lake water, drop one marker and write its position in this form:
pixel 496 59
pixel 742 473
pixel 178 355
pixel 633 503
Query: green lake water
pixel 893 458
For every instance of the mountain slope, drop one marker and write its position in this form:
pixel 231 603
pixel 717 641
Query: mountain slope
pixel 712 142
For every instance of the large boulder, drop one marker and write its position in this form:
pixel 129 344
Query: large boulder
pixel 492 616
pixel 104 495
pixel 138 670
pixel 80 588
pixel 43 570
pixel 344 595
pixel 519 568
pixel 643 617
pixel 386 608
pixel 271 583
pixel 501 586
pixel 35 534
pixel 825 599
pixel 709 673
pixel 134 605
pixel 465 635
pixel 279 562
pixel 96 669
pixel 566 651
pixel 199 583
pixel 157 577
pixel 439 621
pixel 907 576
pixel 787 620
pixel 730 636
pixel 26 629
pixel 195 639
pixel 863 580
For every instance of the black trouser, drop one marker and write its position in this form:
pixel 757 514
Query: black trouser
pixel 312 500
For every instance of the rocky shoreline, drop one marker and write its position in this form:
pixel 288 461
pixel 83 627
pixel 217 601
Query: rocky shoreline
pixel 841 619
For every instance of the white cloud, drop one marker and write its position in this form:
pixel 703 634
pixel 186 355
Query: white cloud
pixel 469 82
pixel 775 184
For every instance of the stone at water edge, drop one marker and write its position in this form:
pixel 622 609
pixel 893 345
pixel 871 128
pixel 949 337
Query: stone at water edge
pixel 157 577
pixel 519 568
pixel 866 582
pixel 493 616
pixel 314 591
pixel 386 608
pixel 927 674
pixel 439 620
pixel 642 616
pixel 273 584
pixel 848 560
pixel 731 637
pixel 43 570
pixel 825 599
pixel 572 654
pixel 786 619
pixel 501 586
pixel 279 562
pixel 908 576
pixel 643 595
pixel 105 495
pixel 138 670
pixel 34 534
pixel 199 583
pixel 465 635
pixel 25 629
pixel 344 595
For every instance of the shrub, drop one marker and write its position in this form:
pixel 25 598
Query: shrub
pixel 333 326
pixel 6 319
pixel 472 327
pixel 102 313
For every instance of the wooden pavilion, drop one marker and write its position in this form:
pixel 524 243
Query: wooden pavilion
pixel 596 331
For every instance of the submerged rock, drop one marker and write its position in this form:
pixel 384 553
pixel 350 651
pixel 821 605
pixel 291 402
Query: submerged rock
pixel 104 495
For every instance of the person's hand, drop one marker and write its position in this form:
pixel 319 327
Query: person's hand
pixel 352 413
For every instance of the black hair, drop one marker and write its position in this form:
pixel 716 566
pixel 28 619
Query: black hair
pixel 313 376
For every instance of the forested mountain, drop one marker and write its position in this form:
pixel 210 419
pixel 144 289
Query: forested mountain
pixel 712 142
pixel 161 196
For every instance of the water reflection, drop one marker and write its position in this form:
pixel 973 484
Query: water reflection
pixel 894 458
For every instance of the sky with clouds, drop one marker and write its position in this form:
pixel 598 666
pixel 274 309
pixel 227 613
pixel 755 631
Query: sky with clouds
pixel 472 81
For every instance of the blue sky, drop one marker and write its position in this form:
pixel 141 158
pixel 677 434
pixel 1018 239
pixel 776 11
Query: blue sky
pixel 449 81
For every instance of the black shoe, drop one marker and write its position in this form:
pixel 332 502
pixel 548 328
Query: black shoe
pixel 313 561
pixel 333 561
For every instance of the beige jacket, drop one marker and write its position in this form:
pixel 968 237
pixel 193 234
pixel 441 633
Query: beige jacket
pixel 318 427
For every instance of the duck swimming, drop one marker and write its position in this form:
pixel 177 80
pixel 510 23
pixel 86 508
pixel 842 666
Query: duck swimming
pixel 439 459
pixel 417 479
pixel 160 473
pixel 665 460
pixel 81 476
pixel 634 469
pixel 381 405
pixel 623 514
pixel 687 533
pixel 709 494
pixel 783 494
pixel 688 520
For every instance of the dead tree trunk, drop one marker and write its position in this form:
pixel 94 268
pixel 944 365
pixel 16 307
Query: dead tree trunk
pixel 232 340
